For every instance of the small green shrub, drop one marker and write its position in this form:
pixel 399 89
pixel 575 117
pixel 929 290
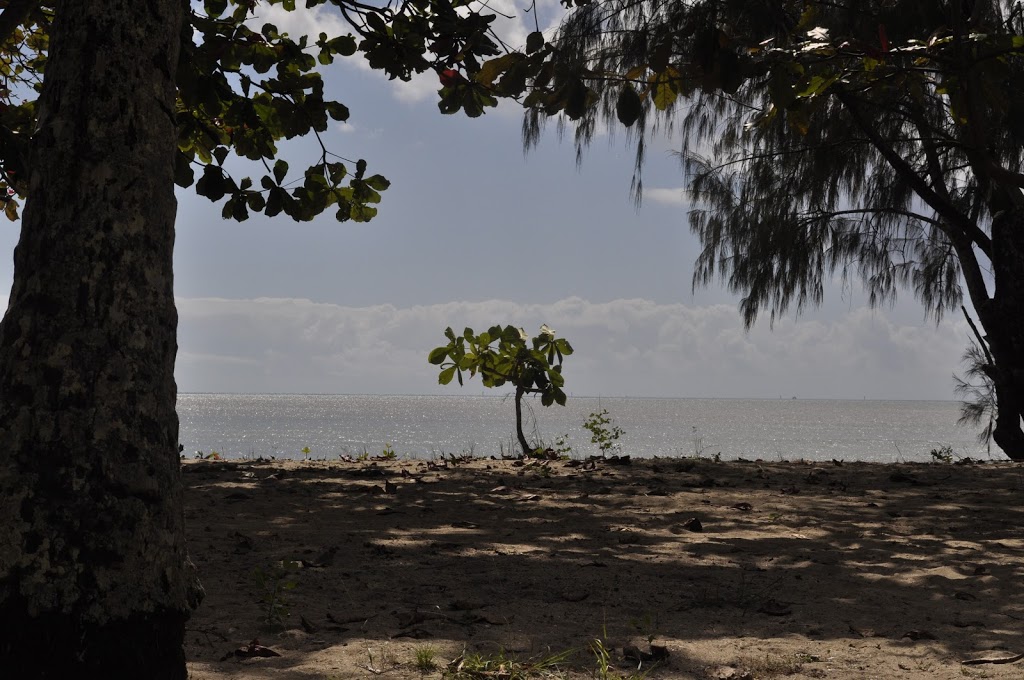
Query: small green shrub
pixel 426 659
pixel 942 454
pixel 272 583
pixel 603 431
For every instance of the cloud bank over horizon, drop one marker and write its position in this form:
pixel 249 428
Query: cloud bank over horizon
pixel 626 347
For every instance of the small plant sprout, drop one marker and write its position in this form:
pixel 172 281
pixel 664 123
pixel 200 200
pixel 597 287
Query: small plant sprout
pixel 507 355
pixel 426 659
pixel 305 453
pixel 473 666
pixel 942 454
pixel 603 431
pixel 388 453
pixel 561 448
pixel 272 584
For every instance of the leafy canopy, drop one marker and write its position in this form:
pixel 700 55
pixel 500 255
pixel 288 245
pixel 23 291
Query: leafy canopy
pixel 506 355
pixel 244 87
pixel 872 139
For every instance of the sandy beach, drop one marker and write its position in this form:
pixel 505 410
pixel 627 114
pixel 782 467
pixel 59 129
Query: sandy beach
pixel 664 568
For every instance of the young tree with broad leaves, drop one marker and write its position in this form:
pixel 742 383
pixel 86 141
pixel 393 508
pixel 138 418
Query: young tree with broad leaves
pixel 877 140
pixel 105 105
pixel 507 355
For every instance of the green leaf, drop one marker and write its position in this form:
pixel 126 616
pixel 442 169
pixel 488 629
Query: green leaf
pixel 534 42
pixel 628 106
pixel 211 184
pixel 344 45
pixel 438 355
pixel 337 111
pixel 280 170
pixel 378 182
pixel 183 174
pixel 579 98
pixel 256 202
pixel 275 202
pixel 666 89
pixel 493 68
pixel 215 8
pixel 446 376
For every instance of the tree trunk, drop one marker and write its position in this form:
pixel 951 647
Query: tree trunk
pixel 519 421
pixel 1003 320
pixel 94 576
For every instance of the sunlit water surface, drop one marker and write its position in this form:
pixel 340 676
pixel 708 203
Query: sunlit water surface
pixel 281 426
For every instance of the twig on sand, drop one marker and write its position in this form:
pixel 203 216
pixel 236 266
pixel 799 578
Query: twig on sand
pixel 998 659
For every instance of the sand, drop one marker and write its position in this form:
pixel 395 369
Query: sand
pixel 666 568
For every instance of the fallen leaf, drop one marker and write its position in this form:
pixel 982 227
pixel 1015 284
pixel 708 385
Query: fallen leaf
pixel 255 649
pixel 693 524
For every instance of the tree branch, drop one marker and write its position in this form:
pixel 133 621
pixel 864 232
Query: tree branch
pixel 962 232
pixel 981 340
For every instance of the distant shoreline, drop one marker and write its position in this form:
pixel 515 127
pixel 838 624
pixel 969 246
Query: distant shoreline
pixel 571 396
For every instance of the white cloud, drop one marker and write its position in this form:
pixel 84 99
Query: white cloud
pixel 302 21
pixel 673 196
pixel 623 347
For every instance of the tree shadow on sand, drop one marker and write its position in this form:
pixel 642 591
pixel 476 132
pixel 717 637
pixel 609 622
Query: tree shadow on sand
pixel 851 570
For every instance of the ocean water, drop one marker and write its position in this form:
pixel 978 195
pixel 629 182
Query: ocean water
pixel 278 425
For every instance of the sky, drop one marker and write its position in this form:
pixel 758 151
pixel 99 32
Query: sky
pixel 475 232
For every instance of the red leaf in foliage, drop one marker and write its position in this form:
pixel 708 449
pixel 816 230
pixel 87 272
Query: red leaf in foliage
pixel 449 77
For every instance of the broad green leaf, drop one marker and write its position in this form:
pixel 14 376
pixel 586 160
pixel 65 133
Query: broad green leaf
pixel 628 106
pixel 183 174
pixel 211 184
pixel 446 376
pixel 215 7
pixel 280 170
pixel 337 111
pixel 438 355
pixel 377 182
pixel 665 89
pixel 493 68
pixel 534 42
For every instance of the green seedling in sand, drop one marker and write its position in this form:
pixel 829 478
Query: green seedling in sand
pixel 272 584
pixel 603 431
pixel 942 454
pixel 507 355
pixel 476 666
pixel 426 659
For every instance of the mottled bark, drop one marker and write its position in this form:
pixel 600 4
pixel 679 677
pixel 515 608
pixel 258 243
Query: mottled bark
pixel 1003 320
pixel 93 569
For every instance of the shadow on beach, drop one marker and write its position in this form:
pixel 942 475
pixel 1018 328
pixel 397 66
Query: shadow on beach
pixel 737 569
